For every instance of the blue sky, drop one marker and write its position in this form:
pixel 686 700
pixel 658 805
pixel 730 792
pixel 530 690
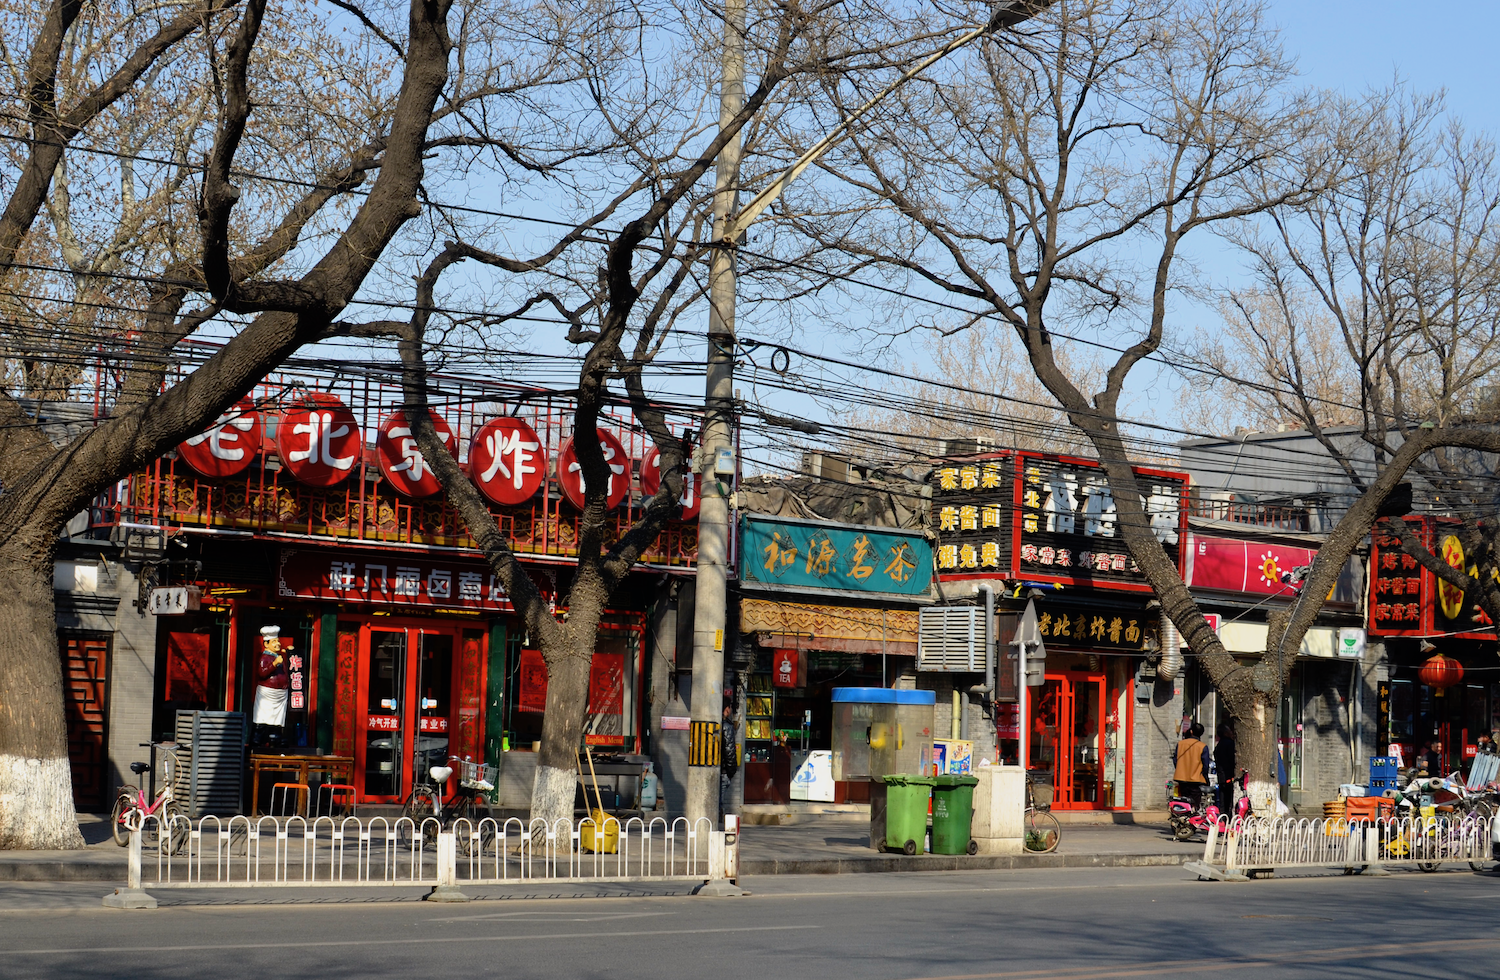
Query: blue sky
pixel 1347 45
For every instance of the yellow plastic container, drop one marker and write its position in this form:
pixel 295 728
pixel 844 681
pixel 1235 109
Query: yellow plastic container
pixel 600 833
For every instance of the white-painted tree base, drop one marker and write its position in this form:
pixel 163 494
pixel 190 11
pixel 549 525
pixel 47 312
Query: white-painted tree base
pixel 552 794
pixel 1264 795
pixel 36 805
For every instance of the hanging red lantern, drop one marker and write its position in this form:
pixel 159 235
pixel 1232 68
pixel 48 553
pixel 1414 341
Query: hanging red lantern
pixel 1441 671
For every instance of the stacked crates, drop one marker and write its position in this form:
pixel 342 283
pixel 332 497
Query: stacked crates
pixel 1382 774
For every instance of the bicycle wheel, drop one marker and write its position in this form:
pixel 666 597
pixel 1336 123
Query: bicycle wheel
pixel 178 827
pixel 124 803
pixel 1043 832
pixel 1428 866
pixel 420 809
pixel 474 811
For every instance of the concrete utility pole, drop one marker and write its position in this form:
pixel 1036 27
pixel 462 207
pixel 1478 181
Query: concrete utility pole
pixel 706 708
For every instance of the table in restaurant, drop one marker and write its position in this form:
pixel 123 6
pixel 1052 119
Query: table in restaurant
pixel 336 769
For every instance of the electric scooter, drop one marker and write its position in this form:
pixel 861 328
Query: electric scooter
pixel 1188 819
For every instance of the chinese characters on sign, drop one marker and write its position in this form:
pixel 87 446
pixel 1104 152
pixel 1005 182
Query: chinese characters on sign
pixel 1103 628
pixel 1408 600
pixel 651 482
pixel 402 462
pixel 229 447
pixel 507 461
pixel 318 440
pixel 805 554
pixel 1063 513
pixel 616 465
pixel 397 578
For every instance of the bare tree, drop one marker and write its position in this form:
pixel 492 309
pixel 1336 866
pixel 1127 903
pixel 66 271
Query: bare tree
pixel 621 307
pixel 1053 178
pixel 1389 282
pixel 263 163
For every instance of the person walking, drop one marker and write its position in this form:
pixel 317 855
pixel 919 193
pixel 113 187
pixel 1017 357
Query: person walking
pixel 1191 761
pixel 1224 763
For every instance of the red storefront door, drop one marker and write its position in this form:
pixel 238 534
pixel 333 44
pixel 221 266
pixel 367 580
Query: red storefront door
pixel 407 679
pixel 1067 737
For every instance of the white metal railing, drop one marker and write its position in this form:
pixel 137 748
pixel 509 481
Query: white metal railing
pixel 253 852
pixel 1260 844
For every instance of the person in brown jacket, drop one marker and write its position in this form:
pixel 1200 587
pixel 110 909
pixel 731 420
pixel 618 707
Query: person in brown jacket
pixel 1191 759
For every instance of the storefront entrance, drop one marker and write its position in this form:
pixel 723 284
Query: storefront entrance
pixel 407 680
pixel 1075 722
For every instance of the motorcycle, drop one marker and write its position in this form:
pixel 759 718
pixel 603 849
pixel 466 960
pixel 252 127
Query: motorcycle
pixel 1187 819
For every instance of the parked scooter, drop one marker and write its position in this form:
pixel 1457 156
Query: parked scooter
pixel 1188 819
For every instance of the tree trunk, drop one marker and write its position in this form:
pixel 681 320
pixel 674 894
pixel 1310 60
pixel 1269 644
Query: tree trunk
pixel 36 782
pixel 568 666
pixel 1255 752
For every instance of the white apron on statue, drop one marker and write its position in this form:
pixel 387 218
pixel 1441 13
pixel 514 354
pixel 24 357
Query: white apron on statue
pixel 270 706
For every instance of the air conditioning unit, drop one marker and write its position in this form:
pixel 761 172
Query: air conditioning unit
pixel 952 639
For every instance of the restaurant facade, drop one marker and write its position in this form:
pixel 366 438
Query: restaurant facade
pixel 313 512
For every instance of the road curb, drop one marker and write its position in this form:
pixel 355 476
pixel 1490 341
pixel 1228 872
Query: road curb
pixel 897 863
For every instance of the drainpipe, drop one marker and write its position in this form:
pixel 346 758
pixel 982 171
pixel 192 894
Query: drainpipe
pixel 988 687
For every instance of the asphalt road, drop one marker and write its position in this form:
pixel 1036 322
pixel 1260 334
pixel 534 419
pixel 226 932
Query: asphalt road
pixel 1033 925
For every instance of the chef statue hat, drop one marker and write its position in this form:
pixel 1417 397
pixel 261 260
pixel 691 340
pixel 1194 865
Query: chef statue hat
pixel 270 631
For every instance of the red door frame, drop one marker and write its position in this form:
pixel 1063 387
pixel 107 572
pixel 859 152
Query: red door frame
pixel 1062 772
pixel 413 628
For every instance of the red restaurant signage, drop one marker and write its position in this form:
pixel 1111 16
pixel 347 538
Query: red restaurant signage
pixel 532 695
pixel 402 462
pixel 318 440
pixel 506 461
pixel 1408 600
pixel 570 471
pixel 395 579
pixel 1231 565
pixel 229 446
pixel 786 668
pixel 651 482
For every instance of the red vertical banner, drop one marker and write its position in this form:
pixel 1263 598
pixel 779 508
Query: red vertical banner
pixel 468 740
pixel 345 690
pixel 607 684
pixel 187 668
pixel 532 694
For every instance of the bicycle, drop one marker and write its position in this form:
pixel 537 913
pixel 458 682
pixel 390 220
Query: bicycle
pixel 132 808
pixel 428 815
pixel 1043 832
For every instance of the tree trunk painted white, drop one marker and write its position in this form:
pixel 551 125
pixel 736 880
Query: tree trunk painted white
pixel 36 782
pixel 552 794
pixel 36 805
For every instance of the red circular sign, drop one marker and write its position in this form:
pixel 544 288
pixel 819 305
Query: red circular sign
pixel 570 473
pixel 229 446
pixel 402 462
pixel 507 461
pixel 318 440
pixel 651 482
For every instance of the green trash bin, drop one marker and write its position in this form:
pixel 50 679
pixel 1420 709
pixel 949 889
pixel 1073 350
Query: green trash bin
pixel 905 813
pixel 952 813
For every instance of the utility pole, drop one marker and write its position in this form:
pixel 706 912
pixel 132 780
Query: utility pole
pixel 706 707
pixel 709 614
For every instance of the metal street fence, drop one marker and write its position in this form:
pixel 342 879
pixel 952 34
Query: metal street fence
pixel 1259 845
pixel 266 852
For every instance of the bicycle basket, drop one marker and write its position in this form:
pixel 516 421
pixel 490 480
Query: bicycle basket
pixel 476 775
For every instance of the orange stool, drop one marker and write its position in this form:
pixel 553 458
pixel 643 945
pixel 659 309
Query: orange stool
pixel 339 795
pixel 302 798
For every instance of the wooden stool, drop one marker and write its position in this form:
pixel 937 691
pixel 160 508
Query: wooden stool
pixel 302 796
pixel 339 794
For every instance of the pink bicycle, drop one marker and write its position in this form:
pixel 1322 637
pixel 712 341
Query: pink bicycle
pixel 132 808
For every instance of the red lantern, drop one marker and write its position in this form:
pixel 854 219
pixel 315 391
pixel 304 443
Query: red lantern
pixel 651 482
pixel 402 462
pixel 617 468
pixel 507 461
pixel 1441 671
pixel 318 440
pixel 228 447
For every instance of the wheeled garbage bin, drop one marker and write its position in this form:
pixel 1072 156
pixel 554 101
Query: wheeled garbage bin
pixel 952 812
pixel 905 813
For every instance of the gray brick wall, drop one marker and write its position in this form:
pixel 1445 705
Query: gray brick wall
pixel 1155 737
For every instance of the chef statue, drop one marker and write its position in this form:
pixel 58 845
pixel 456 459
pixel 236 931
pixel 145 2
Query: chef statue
pixel 271 684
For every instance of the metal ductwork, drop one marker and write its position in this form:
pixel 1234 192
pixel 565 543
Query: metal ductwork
pixel 1171 650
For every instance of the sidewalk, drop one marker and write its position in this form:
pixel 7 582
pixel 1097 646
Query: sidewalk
pixel 820 844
